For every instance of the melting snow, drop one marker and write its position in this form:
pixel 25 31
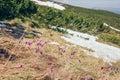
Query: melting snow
pixel 106 52
pixel 56 43
pixel 99 50
pixel 105 24
pixel 49 4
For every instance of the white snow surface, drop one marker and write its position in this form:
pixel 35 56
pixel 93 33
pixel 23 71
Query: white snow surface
pixel 114 29
pixel 55 43
pixel 49 4
pixel 104 51
pixel 105 24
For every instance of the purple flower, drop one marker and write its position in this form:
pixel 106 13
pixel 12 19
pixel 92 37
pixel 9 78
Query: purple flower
pixel 110 68
pixel 88 78
pixel 116 69
pixel 51 68
pixel 39 44
pixel 71 78
pixel 21 66
pixel 50 59
pixel 101 67
pixel 41 52
pixel 29 43
pixel 72 53
pixel 37 50
pixel 3 51
pixel 61 50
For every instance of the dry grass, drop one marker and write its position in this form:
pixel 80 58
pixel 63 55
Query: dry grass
pixel 51 65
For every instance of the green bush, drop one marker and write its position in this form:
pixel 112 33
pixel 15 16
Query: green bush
pixel 111 38
pixel 14 8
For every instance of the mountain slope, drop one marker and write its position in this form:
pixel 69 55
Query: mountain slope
pixel 35 58
pixel 80 19
pixel 75 18
pixel 49 4
pixel 29 50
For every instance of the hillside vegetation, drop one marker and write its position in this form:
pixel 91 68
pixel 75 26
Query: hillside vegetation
pixel 75 18
pixel 10 9
pixel 29 50
pixel 80 19
pixel 24 57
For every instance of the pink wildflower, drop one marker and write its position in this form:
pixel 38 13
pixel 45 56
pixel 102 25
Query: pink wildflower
pixel 28 43
pixel 61 50
pixel 41 52
pixel 51 68
pixel 21 66
pixel 88 78
pixel 38 51
pixel 3 51
pixel 101 67
pixel 117 69
pixel 50 59
pixel 38 44
pixel 71 78
pixel 72 53
pixel 41 43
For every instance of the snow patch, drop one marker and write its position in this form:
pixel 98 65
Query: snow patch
pixel 56 43
pixel 49 4
pixel 105 24
pixel 106 52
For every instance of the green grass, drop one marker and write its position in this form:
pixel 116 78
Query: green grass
pixel 79 19
pixel 111 38
pixel 76 18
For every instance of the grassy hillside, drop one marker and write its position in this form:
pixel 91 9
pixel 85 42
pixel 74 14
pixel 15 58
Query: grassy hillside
pixel 26 52
pixel 75 18
pixel 34 58
pixel 97 16
pixel 79 19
